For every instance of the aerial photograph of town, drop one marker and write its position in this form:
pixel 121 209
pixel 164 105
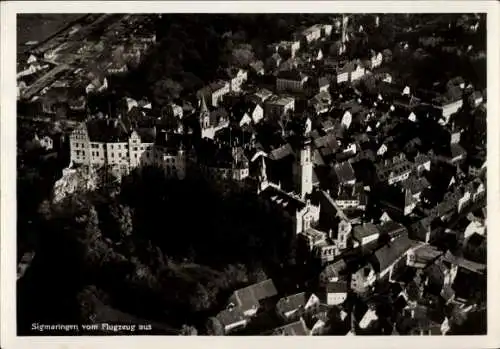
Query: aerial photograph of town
pixel 254 174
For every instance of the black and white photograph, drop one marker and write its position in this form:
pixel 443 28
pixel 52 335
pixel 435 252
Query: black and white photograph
pixel 250 174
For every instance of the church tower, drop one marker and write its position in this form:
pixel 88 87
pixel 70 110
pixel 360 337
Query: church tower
pixel 345 22
pixel 304 168
pixel 263 181
pixel 204 114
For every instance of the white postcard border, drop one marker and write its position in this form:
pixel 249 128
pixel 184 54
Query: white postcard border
pixel 8 13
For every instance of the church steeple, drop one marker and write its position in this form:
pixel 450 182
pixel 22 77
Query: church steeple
pixel 263 171
pixel 345 21
pixel 204 114
pixel 304 163
pixel 203 105
pixel 263 182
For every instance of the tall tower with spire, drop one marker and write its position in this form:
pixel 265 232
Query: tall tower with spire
pixel 263 181
pixel 204 119
pixel 345 22
pixel 204 114
pixel 304 165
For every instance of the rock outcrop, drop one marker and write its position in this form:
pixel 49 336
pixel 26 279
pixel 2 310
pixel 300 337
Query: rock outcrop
pixel 73 180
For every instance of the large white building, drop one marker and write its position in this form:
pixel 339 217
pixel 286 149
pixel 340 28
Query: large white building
pixel 93 145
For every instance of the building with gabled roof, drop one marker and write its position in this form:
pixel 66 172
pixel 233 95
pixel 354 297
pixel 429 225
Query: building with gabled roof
pixel 352 197
pixel 398 200
pixel 387 256
pixel 294 306
pixel 365 233
pixel 336 292
pixel 275 107
pixel 423 256
pixel 345 173
pixel 332 272
pixel 291 80
pixel 225 163
pixel 394 170
pixel 297 328
pixel 415 186
pixel 248 299
pixel 214 92
pixel 232 319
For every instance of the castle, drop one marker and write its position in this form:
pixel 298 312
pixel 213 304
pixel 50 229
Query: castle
pixel 103 143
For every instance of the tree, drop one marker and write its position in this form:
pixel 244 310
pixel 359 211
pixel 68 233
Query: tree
pixel 45 210
pixel 242 56
pixel 369 84
pixel 201 299
pixel 191 82
pixel 188 330
pixel 387 54
pixel 122 217
pixel 141 275
pixel 77 220
pixel 236 274
pixel 88 300
pixel 117 55
pixel 258 274
pixel 419 54
pixel 213 327
pixel 164 91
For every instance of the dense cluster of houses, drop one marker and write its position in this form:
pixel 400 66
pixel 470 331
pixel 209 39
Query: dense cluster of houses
pixel 361 204
pixel 58 75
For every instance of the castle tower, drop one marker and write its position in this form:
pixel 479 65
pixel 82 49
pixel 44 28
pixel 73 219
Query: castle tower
pixel 79 142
